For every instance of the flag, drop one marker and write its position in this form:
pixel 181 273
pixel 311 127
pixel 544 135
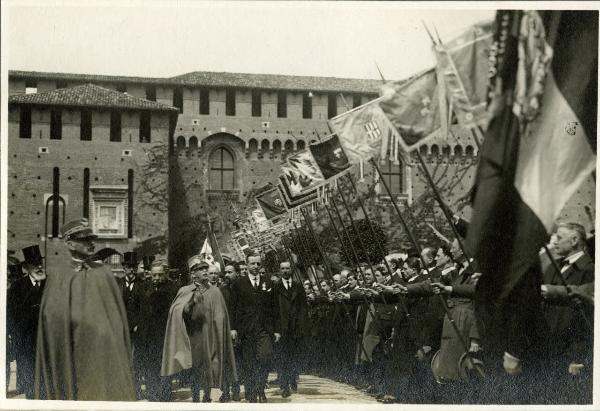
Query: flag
pixel 364 132
pixel 301 173
pixel 536 152
pixel 206 253
pixel 412 106
pixel 259 220
pixel 330 157
pixel 463 68
pixel 272 203
pixel 294 201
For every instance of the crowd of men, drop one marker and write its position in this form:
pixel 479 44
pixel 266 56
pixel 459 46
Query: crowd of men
pixel 404 330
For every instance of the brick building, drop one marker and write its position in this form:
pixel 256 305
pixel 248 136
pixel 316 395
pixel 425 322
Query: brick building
pixel 189 146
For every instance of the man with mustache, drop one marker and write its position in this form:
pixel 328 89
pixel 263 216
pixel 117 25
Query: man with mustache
pixel 83 348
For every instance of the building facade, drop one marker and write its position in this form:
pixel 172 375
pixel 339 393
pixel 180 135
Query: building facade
pixel 192 148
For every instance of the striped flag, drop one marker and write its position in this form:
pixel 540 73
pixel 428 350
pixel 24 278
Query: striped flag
pixel 536 152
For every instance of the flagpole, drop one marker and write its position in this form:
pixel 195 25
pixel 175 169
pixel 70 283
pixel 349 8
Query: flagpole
pixel 444 208
pixel 379 245
pixel 309 256
pixel 419 250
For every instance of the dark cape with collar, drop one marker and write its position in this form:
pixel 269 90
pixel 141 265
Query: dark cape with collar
pixel 203 342
pixel 83 348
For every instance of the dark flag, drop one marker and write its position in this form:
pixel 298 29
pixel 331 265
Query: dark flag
pixel 540 145
pixel 294 201
pixel 330 157
pixel 301 173
pixel 272 203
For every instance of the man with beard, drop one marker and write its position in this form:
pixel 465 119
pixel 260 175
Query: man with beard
pixel 23 307
pixel 293 316
pixel 83 348
pixel 253 317
pixel 198 334
pixel 152 334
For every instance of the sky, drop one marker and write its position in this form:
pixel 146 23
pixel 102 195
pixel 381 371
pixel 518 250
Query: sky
pixel 156 39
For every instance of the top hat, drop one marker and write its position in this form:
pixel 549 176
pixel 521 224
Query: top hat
pixel 147 261
pixel 77 229
pixel 130 259
pixel 32 255
pixel 197 261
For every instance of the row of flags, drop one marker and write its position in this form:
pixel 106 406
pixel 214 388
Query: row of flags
pixel 535 154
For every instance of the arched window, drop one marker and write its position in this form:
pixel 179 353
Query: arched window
pixel 193 143
pixel 446 151
pixel 423 149
pixel 180 144
pixel 469 151
pixel 458 150
pixel 277 149
pixel 301 145
pixel 222 170
pixel 435 150
pixel 392 174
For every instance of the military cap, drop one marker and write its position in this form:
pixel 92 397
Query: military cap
pixel 77 229
pixel 197 261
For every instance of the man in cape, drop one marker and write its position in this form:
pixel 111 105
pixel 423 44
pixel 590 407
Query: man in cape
pixel 83 349
pixel 198 334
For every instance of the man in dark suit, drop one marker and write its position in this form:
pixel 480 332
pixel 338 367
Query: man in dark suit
pixel 254 320
pixel 569 330
pixel 231 276
pixel 135 292
pixel 293 316
pixel 23 307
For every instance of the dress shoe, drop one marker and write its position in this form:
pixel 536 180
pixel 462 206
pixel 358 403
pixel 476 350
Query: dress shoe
pixel 262 397
pixel 225 398
pixel 285 393
pixel 206 399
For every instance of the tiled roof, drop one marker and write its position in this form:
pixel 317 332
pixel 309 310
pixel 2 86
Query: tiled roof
pixel 277 82
pixel 216 79
pixel 89 95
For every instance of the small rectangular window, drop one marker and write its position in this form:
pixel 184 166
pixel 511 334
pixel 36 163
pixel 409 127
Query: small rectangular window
pixel 230 102
pixel 331 105
pixel 115 126
pixel 55 125
pixel 178 99
pixel 151 93
pixel 256 104
pixel 61 84
pixel 30 86
pixel 356 100
pixel 393 176
pixel 25 122
pixel 204 101
pixel 85 129
pixel 307 105
pixel 282 104
pixel 145 129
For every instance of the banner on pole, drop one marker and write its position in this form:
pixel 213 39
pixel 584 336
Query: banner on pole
pixel 330 157
pixel 302 173
pixel 272 204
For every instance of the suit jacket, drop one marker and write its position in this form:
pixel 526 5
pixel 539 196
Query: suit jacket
pixel 23 308
pixel 253 310
pixel 135 301
pixel 293 310
pixel 566 325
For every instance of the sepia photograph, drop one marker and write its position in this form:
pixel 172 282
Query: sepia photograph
pixel 302 203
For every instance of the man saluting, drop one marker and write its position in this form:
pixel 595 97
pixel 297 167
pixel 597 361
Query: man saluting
pixel 198 334
pixel 83 348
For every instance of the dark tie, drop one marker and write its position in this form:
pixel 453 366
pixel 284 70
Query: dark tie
pixel 37 284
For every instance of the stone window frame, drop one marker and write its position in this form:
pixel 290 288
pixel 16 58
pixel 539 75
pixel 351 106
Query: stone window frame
pixel 109 196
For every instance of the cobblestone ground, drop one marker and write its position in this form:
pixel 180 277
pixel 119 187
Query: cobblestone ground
pixel 311 389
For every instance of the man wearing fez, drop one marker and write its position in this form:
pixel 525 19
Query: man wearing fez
pixel 152 332
pixel 134 292
pixel 293 316
pixel 253 317
pixel 23 307
pixel 83 348
pixel 198 334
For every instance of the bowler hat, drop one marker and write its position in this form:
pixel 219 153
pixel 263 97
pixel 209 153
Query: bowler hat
pixel 147 260
pixel 32 255
pixel 130 259
pixel 77 229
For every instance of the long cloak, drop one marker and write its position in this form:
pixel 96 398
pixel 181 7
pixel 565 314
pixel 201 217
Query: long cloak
pixel 204 343
pixel 83 348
